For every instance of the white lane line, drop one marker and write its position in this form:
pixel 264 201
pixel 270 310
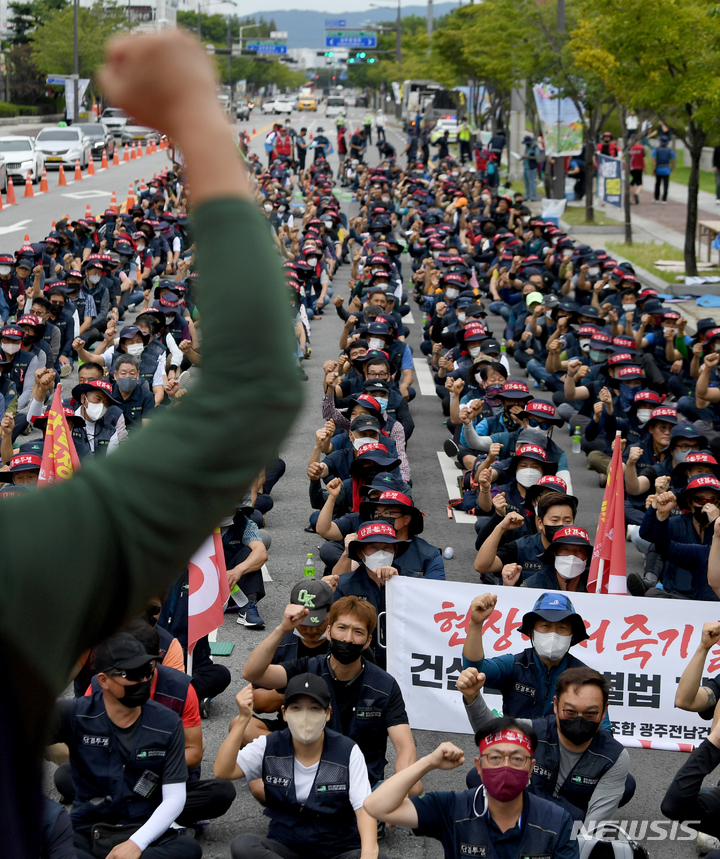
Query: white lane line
pixel 409 319
pixel 212 636
pixel 13 228
pixel 424 377
pixel 450 474
pixel 265 573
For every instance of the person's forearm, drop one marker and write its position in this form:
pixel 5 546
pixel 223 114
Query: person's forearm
pixel 472 439
pixel 701 388
pixel 713 570
pixel 325 519
pixel 389 795
pixel 173 802
pixel 488 551
pixel 226 758
pixel 259 660
pixel 632 483
pixel 473 649
pixel 254 561
pixel 691 679
pixel 569 385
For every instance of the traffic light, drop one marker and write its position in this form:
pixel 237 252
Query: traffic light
pixel 329 53
pixel 361 55
pixel 351 59
pixel 371 59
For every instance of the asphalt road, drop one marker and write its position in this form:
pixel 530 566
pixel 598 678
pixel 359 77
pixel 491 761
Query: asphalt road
pixel 653 770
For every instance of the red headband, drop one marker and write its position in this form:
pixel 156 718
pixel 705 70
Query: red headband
pixel 505 737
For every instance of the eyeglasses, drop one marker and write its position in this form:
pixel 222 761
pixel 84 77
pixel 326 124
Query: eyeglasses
pixel 686 448
pixel 517 760
pixel 705 499
pixel 538 424
pixel 144 672
pixel 378 376
pixel 591 715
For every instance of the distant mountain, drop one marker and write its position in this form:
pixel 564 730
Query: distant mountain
pixel 307 29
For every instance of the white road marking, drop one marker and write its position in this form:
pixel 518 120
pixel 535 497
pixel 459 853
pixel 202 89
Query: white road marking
pixel 409 319
pixel 424 377
pixel 13 228
pixel 212 636
pixel 86 195
pixel 265 573
pixel 450 474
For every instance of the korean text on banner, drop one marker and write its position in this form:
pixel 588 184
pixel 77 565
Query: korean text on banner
pixel 610 182
pixel 561 124
pixel 636 643
pixel 209 591
pixel 59 459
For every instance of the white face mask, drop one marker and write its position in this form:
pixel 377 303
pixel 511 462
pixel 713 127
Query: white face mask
pixel 451 293
pixel 95 411
pixel 628 308
pixel 585 345
pixel 643 415
pixel 134 349
pixel 528 476
pixel 379 559
pixel 386 199
pixel 436 254
pixel 94 278
pixel 567 254
pixel 475 351
pixel 593 272
pixel 716 347
pixel 281 208
pixel 5 270
pixel 361 442
pixel 668 330
pixel 376 343
pixel 306 726
pixel 268 207
pixel 10 348
pixel 551 645
pixel 462 317
pixel 141 247
pixel 569 567
pixel 169 320
pixel 313 261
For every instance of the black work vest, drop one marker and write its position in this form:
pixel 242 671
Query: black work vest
pixel 104 431
pixel 522 693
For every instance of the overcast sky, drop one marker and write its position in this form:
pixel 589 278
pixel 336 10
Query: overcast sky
pixel 250 7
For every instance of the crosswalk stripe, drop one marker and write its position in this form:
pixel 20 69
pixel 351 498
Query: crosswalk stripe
pixel 450 475
pixel 424 377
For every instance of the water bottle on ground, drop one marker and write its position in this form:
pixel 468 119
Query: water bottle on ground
pixel 576 441
pixel 309 571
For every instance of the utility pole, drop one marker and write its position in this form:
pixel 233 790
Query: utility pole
pixel 398 39
pixel 559 161
pixel 76 61
pixel 430 25
pixel 229 47
pixel 198 23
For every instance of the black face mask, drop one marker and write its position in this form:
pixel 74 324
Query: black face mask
pixel 56 309
pixel 137 695
pixel 346 652
pixel 510 422
pixel 701 517
pixel 551 530
pixel 578 730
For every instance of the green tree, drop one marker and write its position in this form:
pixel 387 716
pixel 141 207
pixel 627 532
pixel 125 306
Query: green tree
pixel 26 17
pixel 53 44
pixel 662 58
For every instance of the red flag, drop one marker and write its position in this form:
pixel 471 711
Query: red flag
pixel 607 567
pixel 59 460
pixel 209 591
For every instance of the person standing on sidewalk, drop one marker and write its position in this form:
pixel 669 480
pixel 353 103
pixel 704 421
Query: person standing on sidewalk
pixel 464 136
pixel 637 166
pixel 716 171
pixel 530 164
pixel 663 165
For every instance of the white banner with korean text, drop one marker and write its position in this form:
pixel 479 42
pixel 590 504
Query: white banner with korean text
pixel 642 646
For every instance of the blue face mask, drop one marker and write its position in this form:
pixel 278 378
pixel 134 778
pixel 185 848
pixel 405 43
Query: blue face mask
pixel 383 403
pixel 627 396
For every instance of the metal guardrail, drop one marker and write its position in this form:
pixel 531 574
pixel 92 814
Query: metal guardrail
pixel 32 120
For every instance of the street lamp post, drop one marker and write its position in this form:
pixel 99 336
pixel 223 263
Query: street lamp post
pixel 559 164
pixel 398 38
pixel 76 61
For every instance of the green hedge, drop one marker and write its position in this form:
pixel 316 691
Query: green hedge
pixel 8 109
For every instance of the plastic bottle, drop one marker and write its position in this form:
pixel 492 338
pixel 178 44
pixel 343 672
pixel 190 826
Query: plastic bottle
pixel 503 346
pixel 576 441
pixel 309 571
pixel 238 597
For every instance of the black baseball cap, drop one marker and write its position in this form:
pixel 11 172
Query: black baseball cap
pixel 121 650
pixel 315 595
pixel 308 684
pixel 365 422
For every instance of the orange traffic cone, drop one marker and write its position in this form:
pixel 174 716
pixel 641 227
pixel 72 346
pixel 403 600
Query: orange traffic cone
pixel 116 157
pixel 28 187
pixel 10 199
pixel 91 167
pixel 54 224
pixel 143 186
pixel 78 171
pixel 113 201
pixel 27 238
pixel 148 147
pixel 61 178
pixel 153 146
pixel 88 211
pixel 1 205
pixel 131 199
pixel 44 189
pixel 133 153
pixel 126 154
pixel 104 162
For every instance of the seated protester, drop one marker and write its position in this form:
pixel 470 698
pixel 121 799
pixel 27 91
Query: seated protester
pixel 209 680
pixel 351 623
pixel 579 765
pixel 381 338
pixel 206 799
pixel 419 559
pixel 566 560
pixel 315 780
pixel 394 407
pixel 686 560
pixel 527 679
pixel 18 366
pixel 103 416
pixel 501 818
pixel 554 511
pixel 695 693
pixel 707 393
pixel 336 530
pixel 680 440
pixel 135 743
pixel 365 428
pixel 24 470
pixel 245 554
pixel 135 399
pixel 51 337
pixel 536 421
pixel 309 639
pixel 375 404
pixel 374 549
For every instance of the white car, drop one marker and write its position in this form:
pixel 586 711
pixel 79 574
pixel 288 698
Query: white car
pixel 284 105
pixel 443 125
pixel 268 107
pixel 21 157
pixel 114 119
pixel 64 145
pixel 335 105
